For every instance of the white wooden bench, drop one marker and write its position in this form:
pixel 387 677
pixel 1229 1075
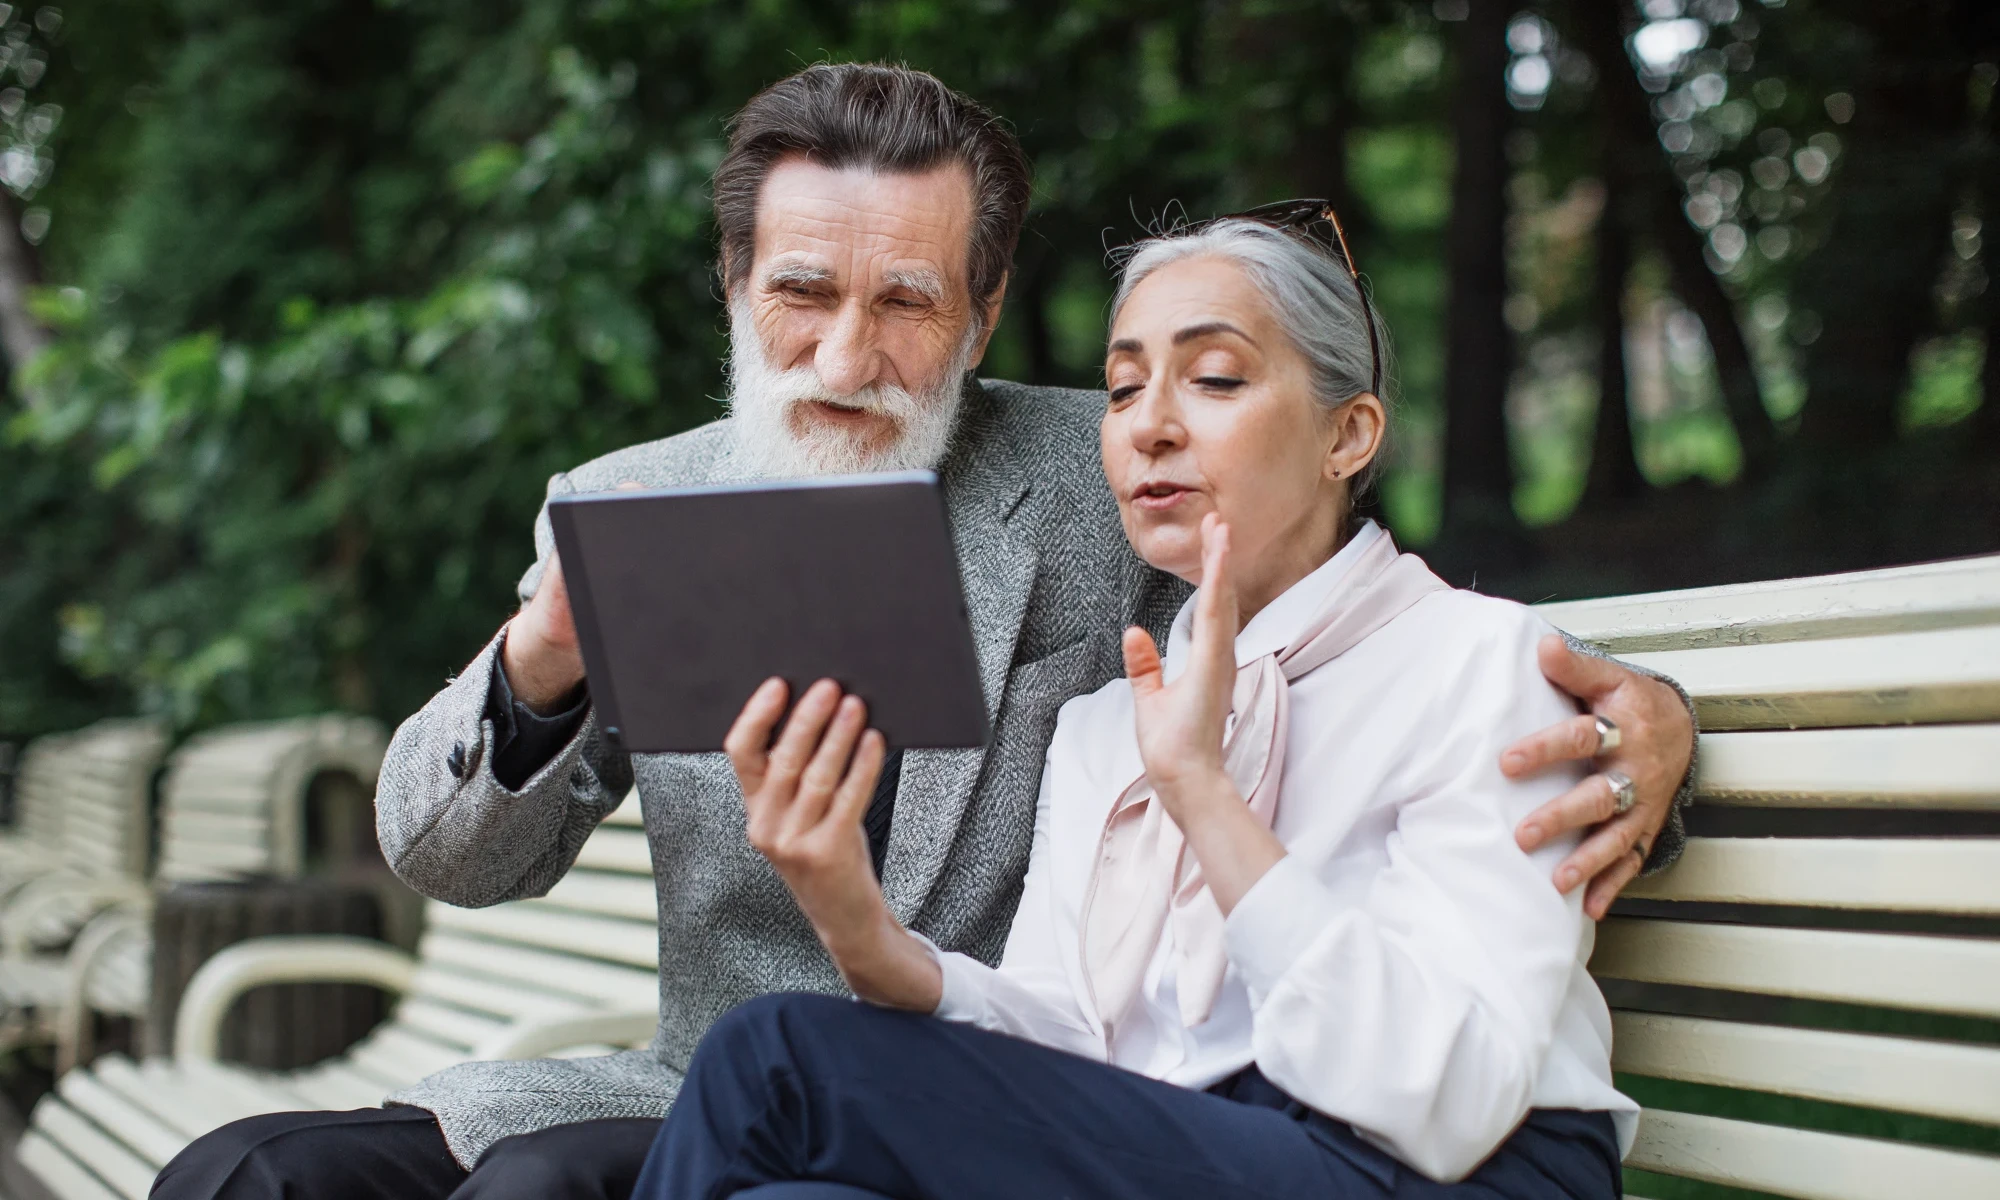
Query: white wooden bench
pixel 74 940
pixel 1857 717
pixel 81 850
pixel 1824 698
pixel 574 971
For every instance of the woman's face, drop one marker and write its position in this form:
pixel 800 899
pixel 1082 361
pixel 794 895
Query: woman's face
pixel 1211 410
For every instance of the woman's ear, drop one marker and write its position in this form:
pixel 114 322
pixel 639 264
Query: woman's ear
pixel 1358 426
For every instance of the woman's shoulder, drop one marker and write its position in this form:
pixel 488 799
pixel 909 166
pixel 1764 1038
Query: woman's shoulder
pixel 1456 639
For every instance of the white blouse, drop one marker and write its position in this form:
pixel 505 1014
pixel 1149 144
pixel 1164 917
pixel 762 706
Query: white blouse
pixel 1406 967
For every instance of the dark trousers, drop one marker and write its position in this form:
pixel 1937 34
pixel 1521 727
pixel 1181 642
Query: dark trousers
pixel 399 1154
pixel 796 1097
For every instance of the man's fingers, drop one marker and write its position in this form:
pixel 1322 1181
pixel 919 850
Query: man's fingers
pixel 1565 741
pixel 1142 661
pixel 749 739
pixel 1581 675
pixel 857 789
pixel 1611 881
pixel 1603 848
pixel 1584 805
pixel 828 764
pixel 802 733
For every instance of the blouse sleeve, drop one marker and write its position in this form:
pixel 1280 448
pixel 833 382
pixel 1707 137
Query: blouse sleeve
pixel 1029 995
pixel 1423 1015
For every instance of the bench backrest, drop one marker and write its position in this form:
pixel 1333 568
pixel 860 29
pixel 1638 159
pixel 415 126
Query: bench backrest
pixel 234 801
pixel 591 943
pixel 84 798
pixel 1808 1004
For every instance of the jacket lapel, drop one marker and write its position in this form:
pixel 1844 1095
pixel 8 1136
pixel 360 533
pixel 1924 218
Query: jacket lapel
pixel 984 484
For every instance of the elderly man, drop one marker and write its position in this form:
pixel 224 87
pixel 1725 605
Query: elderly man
pixel 868 215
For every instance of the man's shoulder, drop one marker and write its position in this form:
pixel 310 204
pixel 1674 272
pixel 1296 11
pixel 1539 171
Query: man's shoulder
pixel 685 458
pixel 1047 423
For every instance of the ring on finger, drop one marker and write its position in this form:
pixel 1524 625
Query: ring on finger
pixel 1624 793
pixel 1609 737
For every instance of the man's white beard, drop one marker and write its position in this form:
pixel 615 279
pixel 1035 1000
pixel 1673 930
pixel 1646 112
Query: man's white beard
pixel 775 443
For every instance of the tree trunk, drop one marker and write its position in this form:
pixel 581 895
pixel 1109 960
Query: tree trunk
pixel 1614 467
pixel 1478 464
pixel 21 335
pixel 1633 154
pixel 1873 277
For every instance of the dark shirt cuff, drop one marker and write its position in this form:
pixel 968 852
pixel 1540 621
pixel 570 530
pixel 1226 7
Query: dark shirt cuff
pixel 524 741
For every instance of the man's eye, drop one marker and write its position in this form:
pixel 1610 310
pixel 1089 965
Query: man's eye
pixel 902 302
pixel 799 289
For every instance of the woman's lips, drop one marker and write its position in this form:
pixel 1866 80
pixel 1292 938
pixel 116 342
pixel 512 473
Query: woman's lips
pixel 1159 497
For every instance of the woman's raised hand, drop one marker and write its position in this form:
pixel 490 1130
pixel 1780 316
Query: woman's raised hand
pixel 1181 724
pixel 804 797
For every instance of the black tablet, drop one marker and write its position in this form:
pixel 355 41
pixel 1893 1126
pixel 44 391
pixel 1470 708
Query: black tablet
pixel 687 599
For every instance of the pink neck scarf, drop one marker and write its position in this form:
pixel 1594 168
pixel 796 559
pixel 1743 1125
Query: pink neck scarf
pixel 1144 875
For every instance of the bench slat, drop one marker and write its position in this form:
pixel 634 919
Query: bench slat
pixel 1891 600
pixel 1938 1079
pixel 529 922
pixel 1932 974
pixel 108 1158
pixel 66 1177
pixel 149 1137
pixel 1937 875
pixel 561 974
pixel 617 849
pixel 627 896
pixel 122 1076
pixel 1927 766
pixel 1894 679
pixel 1806 1164
pixel 453 1027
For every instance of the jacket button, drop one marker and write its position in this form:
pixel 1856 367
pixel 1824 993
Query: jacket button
pixel 455 761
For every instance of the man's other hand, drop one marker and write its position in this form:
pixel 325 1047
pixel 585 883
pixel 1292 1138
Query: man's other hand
pixel 1656 744
pixel 541 657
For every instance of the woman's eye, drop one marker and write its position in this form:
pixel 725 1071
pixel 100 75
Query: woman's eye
pixel 1221 383
pixel 1121 394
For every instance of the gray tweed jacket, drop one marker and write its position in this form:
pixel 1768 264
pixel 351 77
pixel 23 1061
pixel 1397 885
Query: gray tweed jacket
pixel 1049 582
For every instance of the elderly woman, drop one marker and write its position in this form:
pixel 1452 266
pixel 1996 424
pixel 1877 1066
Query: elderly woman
pixel 1276 938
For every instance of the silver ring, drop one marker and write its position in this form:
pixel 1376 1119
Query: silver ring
pixel 1608 736
pixel 1624 793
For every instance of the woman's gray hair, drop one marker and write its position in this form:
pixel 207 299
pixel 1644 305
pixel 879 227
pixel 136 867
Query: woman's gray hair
pixel 1311 294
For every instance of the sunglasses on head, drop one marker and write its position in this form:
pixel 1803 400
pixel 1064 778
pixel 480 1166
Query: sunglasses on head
pixel 1301 219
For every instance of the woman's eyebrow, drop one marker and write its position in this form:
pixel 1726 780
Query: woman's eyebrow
pixel 1127 346
pixel 1205 329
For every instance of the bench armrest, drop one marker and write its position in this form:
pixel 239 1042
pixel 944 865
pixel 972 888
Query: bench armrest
pixel 266 960
pixel 105 932
pixel 541 1037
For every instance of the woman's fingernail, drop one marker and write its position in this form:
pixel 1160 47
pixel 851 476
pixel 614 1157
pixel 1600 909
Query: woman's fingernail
pixel 1566 878
pixel 1531 834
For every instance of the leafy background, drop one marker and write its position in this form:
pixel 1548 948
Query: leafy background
pixel 319 292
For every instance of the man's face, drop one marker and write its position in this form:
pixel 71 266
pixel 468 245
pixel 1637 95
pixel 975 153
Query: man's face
pixel 856 322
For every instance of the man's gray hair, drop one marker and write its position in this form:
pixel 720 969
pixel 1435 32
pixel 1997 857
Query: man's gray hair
pixel 1312 297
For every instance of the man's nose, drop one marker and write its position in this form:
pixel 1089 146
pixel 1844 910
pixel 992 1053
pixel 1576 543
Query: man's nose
pixel 847 358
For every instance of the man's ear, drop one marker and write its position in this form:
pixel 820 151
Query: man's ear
pixel 989 318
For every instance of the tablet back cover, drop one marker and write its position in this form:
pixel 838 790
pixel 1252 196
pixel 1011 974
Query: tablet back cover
pixel 687 599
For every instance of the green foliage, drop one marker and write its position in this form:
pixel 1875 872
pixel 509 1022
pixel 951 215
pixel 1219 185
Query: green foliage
pixel 337 284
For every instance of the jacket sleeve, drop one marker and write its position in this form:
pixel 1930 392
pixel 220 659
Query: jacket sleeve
pixel 453 831
pixel 1029 994
pixel 1673 835
pixel 1423 1014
